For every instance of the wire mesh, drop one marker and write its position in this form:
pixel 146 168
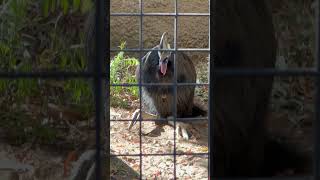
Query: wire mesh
pixel 175 84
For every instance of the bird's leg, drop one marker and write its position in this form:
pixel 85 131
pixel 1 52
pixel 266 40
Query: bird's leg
pixel 137 114
pixel 180 127
pixel 160 122
pixel 135 117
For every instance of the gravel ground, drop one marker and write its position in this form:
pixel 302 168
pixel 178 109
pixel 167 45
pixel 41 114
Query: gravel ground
pixel 157 141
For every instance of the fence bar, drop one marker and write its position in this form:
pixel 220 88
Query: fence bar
pixel 175 89
pixel 165 119
pixel 140 81
pixel 102 164
pixel 316 170
pixel 159 84
pixel 161 154
pixel 210 103
pixel 272 178
pixel 160 14
pixel 218 72
pixel 46 75
pixel 172 50
pixel 211 89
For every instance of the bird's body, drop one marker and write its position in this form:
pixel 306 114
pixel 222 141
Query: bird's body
pixel 160 99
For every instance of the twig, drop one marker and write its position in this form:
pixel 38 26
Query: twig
pixel 57 20
pixel 74 128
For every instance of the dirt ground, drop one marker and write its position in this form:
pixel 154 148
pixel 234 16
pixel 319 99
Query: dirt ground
pixel 192 32
pixel 157 141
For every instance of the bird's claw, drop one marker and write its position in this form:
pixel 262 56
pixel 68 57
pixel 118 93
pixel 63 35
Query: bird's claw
pixel 180 128
pixel 135 117
pixel 138 115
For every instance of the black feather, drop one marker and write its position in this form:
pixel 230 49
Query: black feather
pixel 159 99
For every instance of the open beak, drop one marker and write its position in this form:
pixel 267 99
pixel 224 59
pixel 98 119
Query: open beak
pixel 163 67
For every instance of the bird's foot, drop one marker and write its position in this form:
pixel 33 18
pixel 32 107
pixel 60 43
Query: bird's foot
pixel 181 128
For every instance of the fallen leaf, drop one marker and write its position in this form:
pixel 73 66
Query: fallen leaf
pixel 72 156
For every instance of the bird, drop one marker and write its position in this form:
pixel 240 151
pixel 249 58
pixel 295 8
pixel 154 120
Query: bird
pixel 157 66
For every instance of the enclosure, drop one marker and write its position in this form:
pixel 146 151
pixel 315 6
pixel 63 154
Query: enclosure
pixel 55 106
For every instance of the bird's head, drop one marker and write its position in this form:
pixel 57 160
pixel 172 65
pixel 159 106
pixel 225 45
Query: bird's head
pixel 164 56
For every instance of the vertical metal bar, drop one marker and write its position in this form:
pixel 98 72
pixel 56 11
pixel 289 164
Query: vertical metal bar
pixel 102 51
pixel 140 79
pixel 209 129
pixel 105 61
pixel 316 128
pixel 175 90
pixel 211 94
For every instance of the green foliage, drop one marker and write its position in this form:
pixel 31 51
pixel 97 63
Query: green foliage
pixel 21 128
pixel 4 84
pixel 122 71
pixel 80 93
pixel 31 42
pixel 13 52
pixel 76 4
pixel 18 8
pixel 65 6
pixel 54 52
pixel 25 87
pixel 11 22
pixel 44 134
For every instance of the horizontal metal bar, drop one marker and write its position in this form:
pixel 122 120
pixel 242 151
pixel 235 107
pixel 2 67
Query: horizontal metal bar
pixel 171 50
pixel 159 84
pixel 164 119
pixel 162 154
pixel 47 75
pixel 160 14
pixel 268 178
pixel 223 72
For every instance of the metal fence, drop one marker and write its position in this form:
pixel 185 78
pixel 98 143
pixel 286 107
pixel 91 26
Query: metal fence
pixel 99 76
pixel 215 73
pixel 175 49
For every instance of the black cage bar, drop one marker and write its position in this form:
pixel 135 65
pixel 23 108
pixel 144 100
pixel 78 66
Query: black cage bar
pixel 103 53
pixel 316 170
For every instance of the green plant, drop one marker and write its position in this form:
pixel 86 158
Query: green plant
pixel 56 51
pixel 20 128
pixel 25 87
pixel 13 50
pixel 122 70
pixel 32 41
pixel 65 5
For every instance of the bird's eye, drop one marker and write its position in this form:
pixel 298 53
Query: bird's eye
pixel 165 60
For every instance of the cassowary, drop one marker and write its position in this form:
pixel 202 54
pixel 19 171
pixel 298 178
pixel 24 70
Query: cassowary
pixel 158 67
